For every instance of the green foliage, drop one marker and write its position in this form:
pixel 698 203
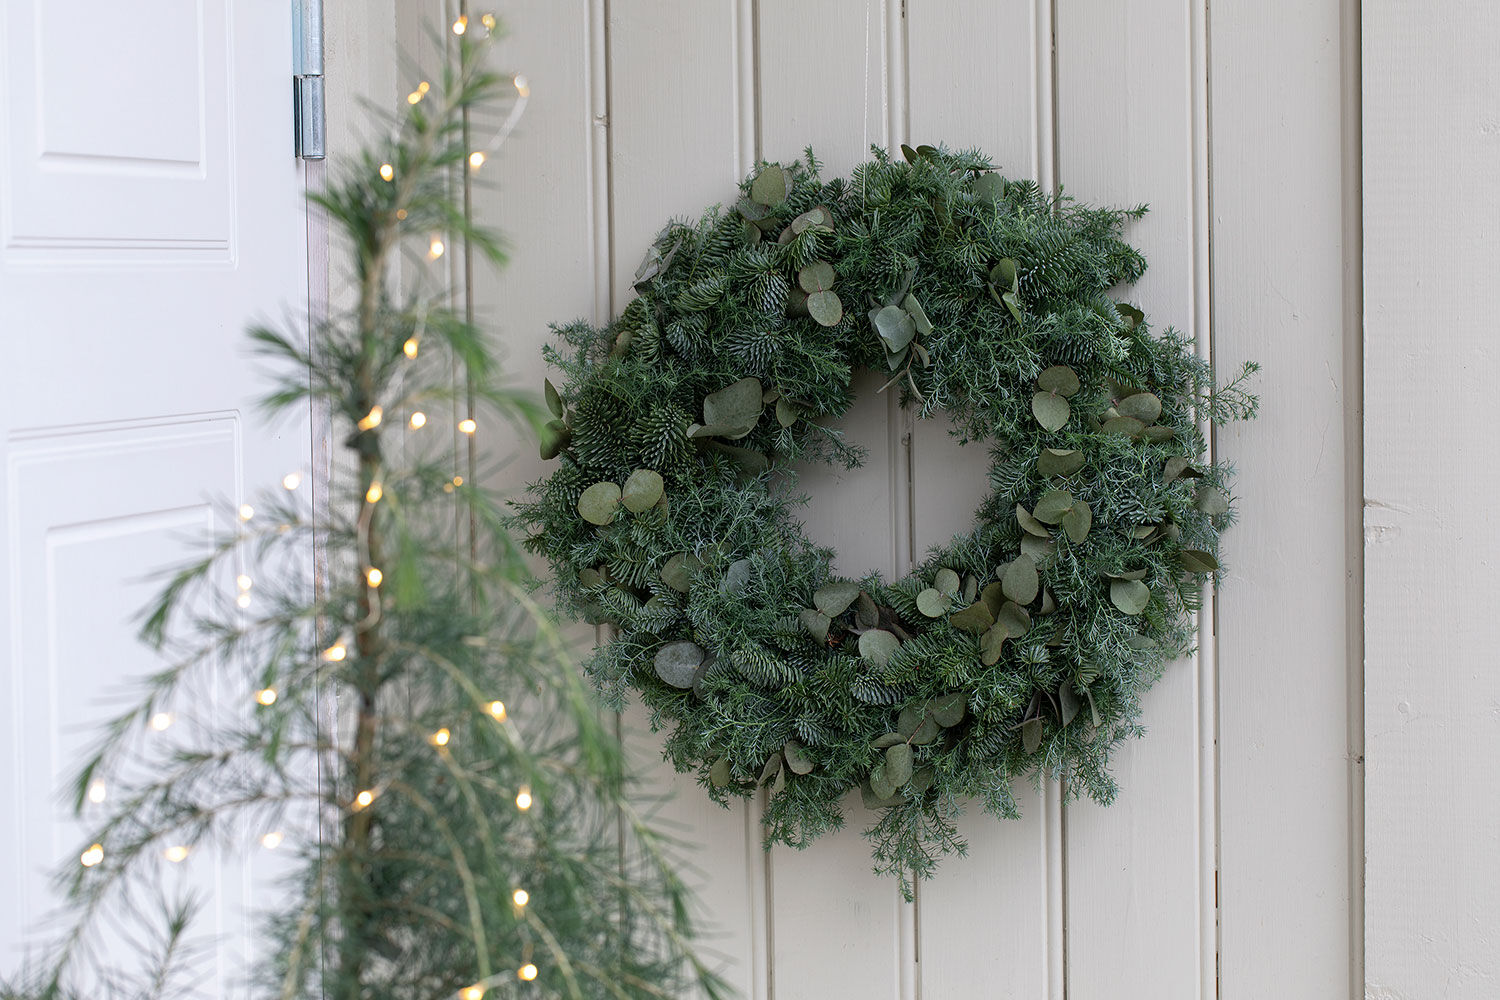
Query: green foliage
pixel 441 691
pixel 985 299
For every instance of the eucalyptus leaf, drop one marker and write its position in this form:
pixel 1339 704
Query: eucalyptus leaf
pixel 599 503
pixel 718 775
pixel 974 619
pixel 1197 561
pixel 1179 466
pixel 1005 275
pixel 1212 502
pixel 1013 303
pixel 878 646
pixel 589 578
pixel 736 406
pixel 770 186
pixel 771 769
pixel 1039 549
pixel 898 761
pixel 796 757
pixel 947 581
pixel 1030 524
pixel 554 401
pixel 933 603
pixel 1132 316
pixel 1059 461
pixel 1127 426
pixel 1059 379
pixel 1031 734
pixel 554 437
pixel 749 460
pixel 1077 521
pixel 1130 596
pixel 992 644
pixel 676 661
pixel 891 739
pixel 833 599
pixel 816 623
pixel 816 277
pixel 871 800
pixel 921 780
pixel 1050 410
pixel 1143 406
pixel 1015 619
pixel 865 611
pixel 993 597
pixel 1068 701
pixel 737 577
pixel 779 783
pixel 677 572
pixel 1053 506
pixel 917 313
pixel 988 188
pixel 880 782
pixel 787 412
pixel 948 709
pixel 825 308
pixel 1021 581
pixel 642 489
pixel 895 326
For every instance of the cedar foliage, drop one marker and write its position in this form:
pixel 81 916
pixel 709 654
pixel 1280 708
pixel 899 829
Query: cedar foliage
pixel 394 689
pixel 718 302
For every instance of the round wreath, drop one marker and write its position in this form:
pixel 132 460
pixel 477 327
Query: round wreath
pixel 1023 645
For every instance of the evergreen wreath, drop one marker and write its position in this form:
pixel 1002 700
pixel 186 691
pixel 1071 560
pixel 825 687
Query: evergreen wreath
pixel 1021 647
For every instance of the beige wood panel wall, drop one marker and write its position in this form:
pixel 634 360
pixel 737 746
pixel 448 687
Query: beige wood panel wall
pixel 1228 865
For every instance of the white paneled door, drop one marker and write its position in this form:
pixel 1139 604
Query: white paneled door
pixel 150 207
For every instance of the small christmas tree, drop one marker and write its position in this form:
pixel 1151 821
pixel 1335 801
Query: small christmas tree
pixel 414 705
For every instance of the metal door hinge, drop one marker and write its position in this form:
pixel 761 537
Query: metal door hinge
pixel 308 108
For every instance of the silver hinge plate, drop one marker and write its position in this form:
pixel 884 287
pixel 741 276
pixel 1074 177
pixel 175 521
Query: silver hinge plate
pixel 309 110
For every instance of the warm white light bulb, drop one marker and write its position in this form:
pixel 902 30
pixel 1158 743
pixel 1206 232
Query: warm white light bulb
pixel 441 737
pixel 476 160
pixel 521 897
pixel 161 720
pixel 243 600
pixel 373 576
pixel 291 481
pixel 374 493
pixel 527 972
pixel 475 992
pixel 176 854
pixel 363 799
pixel 272 840
pixel 435 248
pixel 410 347
pixel 488 20
pixel 266 696
pixel 246 512
pixel 372 419
pixel 523 86
pixel 458 480
pixel 497 709
pixel 92 856
pixel 97 791
pixel 244 582
pixel 461 25
pixel 414 97
pixel 387 172
pixel 335 652
pixel 418 420
pixel 523 799
pixel 467 425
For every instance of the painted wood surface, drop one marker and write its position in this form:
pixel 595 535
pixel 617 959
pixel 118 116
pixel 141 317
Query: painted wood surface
pixel 1431 218
pixel 1224 866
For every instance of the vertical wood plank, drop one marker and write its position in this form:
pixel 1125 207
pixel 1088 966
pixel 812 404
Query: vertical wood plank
pixel 1125 132
pixel 1278 277
pixel 1431 218
pixel 836 927
pixel 984 927
pixel 675 120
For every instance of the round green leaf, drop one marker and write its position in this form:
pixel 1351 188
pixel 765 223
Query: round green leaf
pixel 554 401
pixel 787 412
pixel 1212 502
pixel 816 623
pixel 642 490
pixel 718 775
pixel 834 598
pixel 948 709
pixel 554 438
pixel 737 577
pixel 816 277
pixel 1130 596
pixel 599 503
pixel 825 308
pixel 1031 734
pixel 975 619
pixel 589 578
pixel 1030 524
pixel 1021 581
pixel 865 611
pixel 1050 410
pixel 1014 618
pixel 735 409
pixel 1077 521
pixel 796 757
pixel 933 603
pixel 947 581
pixel 917 313
pixel 1178 465
pixel 676 661
pixel 878 646
pixel 881 783
pixel 898 764
pixel 993 596
pixel 1128 426
pixel 988 188
pixel 1005 275
pixel 992 644
pixel 895 326
pixel 1059 461
pixel 1198 561
pixel 1143 406
pixel 1059 379
pixel 1039 549
pixel 677 572
pixel 1053 506
pixel 770 186
pixel 1158 432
